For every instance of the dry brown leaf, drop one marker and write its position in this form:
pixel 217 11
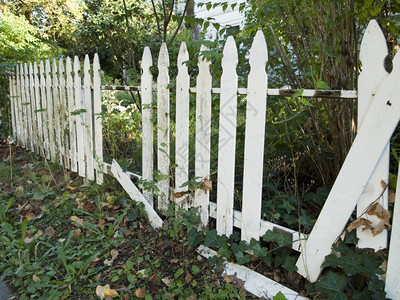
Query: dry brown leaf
pixel 114 254
pixel 392 196
pixel 105 291
pixel 381 226
pixel 39 233
pixel 384 184
pixel 140 293
pixel 110 292
pixel 207 184
pixel 76 220
pixel 77 233
pixel 180 194
pixel 71 188
pixel 30 216
pixel 366 224
pixel 166 281
pixel 378 210
pixel 188 278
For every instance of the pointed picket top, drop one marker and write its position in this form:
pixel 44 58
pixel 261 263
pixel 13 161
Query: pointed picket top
pixel 258 51
pixel 98 130
pixel 373 51
pixel 163 57
pixel 230 55
pixel 254 141
pixel 203 63
pixel 147 60
pixel 183 56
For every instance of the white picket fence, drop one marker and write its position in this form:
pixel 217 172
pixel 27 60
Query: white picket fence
pixel 44 99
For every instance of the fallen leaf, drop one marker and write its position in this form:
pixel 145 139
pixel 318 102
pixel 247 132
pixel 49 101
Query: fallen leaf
pixel 30 216
pixel 114 254
pixel 140 293
pixel 90 206
pixel 76 220
pixel 381 226
pixel 207 184
pixel 77 233
pixel 50 231
pixel 108 262
pixel 105 291
pixel 166 281
pixel 367 224
pixel 188 277
pixel 39 233
pixel 71 188
pixel 35 278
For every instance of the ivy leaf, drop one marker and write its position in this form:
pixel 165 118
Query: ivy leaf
pixel 371 265
pixel 242 258
pixel 225 251
pixel 279 296
pixel 290 264
pixel 321 85
pixel 194 238
pixel 214 240
pixel 351 262
pixel 332 284
pixel 330 261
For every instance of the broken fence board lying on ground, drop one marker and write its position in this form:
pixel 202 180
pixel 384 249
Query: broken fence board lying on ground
pixel 135 194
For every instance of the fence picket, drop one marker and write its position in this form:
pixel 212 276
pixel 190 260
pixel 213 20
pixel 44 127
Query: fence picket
pixel 11 81
pixel 28 105
pixel 182 126
pixel 50 112
pixel 227 139
pixel 147 124
pixel 24 127
pixel 203 134
pixel 57 112
pixel 38 109
pixel 98 130
pixel 254 139
pixel 163 130
pixel 80 144
pixel 373 52
pixel 71 115
pixel 63 116
pixel 88 117
pixel 32 101
pixel 44 111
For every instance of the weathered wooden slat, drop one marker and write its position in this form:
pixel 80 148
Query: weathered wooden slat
pixel 28 105
pixel 39 111
pixel 71 115
pixel 88 117
pixel 11 82
pixel 163 130
pixel 24 126
pixel 50 112
pixel 44 111
pixel 18 111
pixel 98 129
pixel 63 116
pixel 203 135
pixel 80 128
pixel 182 126
pixel 379 123
pixel 227 139
pixel 32 101
pixel 373 52
pixel 254 139
pixel 57 112
pixel 147 124
pixel 134 193
pixel 392 286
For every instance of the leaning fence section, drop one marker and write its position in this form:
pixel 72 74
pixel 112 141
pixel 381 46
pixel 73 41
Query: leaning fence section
pixel 57 116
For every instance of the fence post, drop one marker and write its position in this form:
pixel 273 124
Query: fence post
pixel 163 146
pixel 63 116
pixel 13 101
pixel 147 124
pixel 28 105
pixel 39 110
pixel 182 126
pixel 203 133
pixel 227 139
pixel 254 139
pixel 50 112
pixel 98 129
pixel 33 109
pixel 373 52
